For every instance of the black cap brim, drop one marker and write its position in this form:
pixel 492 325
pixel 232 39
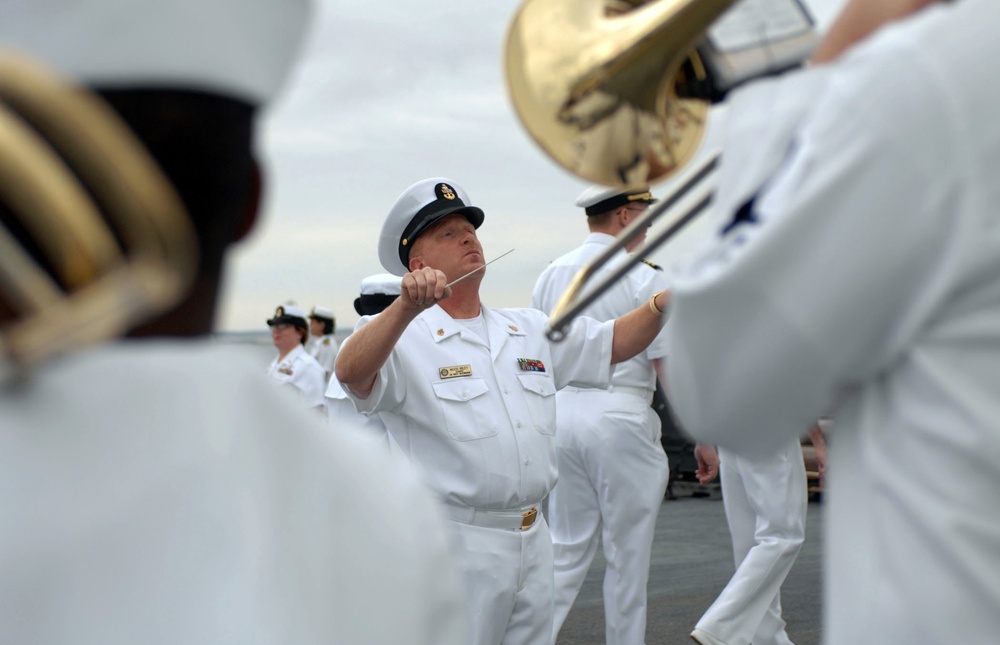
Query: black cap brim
pixel 370 304
pixel 291 320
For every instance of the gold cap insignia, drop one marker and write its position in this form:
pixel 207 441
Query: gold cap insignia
pixel 446 191
pixel 279 312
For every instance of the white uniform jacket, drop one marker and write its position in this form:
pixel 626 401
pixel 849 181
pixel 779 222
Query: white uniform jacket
pixel 865 279
pixel 164 492
pixel 633 290
pixel 299 370
pixel 480 421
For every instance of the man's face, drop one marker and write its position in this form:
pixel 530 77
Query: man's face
pixel 633 212
pixel 451 246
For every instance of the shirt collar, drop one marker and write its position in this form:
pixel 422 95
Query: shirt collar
pixel 440 325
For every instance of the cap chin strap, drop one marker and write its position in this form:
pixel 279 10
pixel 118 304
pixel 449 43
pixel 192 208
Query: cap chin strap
pixel 116 244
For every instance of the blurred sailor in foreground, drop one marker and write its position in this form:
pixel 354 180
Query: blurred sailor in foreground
pixel 159 490
pixel 293 366
pixel 857 272
pixel 377 292
pixel 321 344
pixel 467 392
pixel 612 469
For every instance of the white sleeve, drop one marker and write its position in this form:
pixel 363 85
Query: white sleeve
pixel 655 282
pixel 846 251
pixel 583 357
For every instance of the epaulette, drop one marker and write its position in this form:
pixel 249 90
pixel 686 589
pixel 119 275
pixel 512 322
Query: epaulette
pixel 655 266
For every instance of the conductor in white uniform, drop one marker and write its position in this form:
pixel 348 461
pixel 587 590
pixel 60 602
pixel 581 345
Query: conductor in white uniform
pixel 612 468
pixel 468 393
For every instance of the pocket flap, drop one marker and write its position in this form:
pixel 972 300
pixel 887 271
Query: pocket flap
pixel 537 383
pixel 461 389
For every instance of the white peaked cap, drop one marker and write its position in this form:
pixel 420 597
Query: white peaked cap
pixel 238 48
pixel 416 210
pixel 599 199
pixel 381 283
pixel 322 312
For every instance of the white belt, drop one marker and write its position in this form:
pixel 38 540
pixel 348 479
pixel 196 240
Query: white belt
pixel 641 392
pixel 508 520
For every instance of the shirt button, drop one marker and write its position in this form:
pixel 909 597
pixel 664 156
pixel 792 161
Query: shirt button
pixel 506 391
pixel 520 425
pixel 465 395
pixel 527 462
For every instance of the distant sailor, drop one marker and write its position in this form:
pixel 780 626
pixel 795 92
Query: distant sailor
pixel 321 345
pixel 293 365
pixel 612 469
pixel 377 292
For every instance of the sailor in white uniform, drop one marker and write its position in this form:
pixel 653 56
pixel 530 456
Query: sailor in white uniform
pixel 857 273
pixel 377 292
pixel 612 469
pixel 467 392
pixel 321 344
pixel 765 501
pixel 293 367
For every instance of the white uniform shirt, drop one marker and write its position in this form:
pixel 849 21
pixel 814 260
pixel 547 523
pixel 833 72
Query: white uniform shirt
pixel 165 492
pixel 633 290
pixel 479 421
pixel 300 371
pixel 870 284
pixel 324 349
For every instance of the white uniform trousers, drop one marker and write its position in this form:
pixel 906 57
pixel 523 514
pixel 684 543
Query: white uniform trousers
pixel 765 502
pixel 508 582
pixel 612 478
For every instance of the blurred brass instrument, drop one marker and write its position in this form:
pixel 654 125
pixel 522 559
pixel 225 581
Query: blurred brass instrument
pixel 601 89
pixel 93 238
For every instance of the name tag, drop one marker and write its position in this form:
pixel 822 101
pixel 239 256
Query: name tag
pixel 455 371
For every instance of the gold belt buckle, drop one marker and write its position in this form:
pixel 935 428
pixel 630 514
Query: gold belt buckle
pixel 528 518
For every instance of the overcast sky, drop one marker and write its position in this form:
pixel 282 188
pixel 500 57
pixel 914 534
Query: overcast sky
pixel 387 94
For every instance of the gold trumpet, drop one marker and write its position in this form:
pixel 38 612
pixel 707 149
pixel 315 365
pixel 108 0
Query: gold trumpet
pixel 603 90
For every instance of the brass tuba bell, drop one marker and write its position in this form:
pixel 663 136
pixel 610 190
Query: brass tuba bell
pixel 597 85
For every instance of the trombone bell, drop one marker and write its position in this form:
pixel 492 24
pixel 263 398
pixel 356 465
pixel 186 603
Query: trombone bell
pixel 598 89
